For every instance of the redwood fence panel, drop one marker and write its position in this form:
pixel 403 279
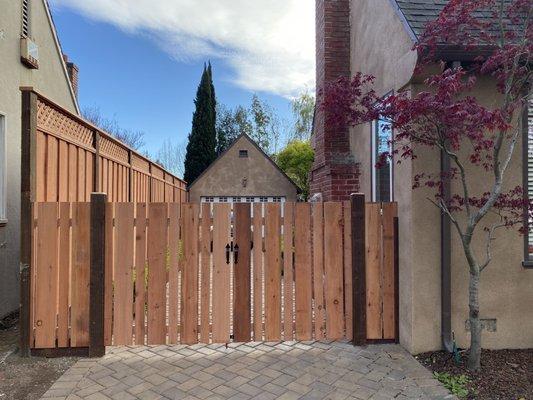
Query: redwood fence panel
pixel 181 273
pixel 75 158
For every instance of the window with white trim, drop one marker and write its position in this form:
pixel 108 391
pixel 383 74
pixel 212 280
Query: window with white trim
pixel 3 169
pixel 382 165
pixel 529 175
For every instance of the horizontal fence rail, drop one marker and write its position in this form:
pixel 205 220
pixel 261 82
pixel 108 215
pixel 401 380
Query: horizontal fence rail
pixel 211 273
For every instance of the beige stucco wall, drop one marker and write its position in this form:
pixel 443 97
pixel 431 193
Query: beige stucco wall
pixel 383 48
pixel 506 290
pixel 225 177
pixel 50 80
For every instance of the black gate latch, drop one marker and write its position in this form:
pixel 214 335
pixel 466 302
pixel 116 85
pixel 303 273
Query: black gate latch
pixel 236 254
pixel 228 249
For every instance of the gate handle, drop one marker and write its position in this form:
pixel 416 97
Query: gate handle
pixel 236 254
pixel 227 253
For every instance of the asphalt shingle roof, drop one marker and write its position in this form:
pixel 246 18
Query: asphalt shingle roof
pixel 419 12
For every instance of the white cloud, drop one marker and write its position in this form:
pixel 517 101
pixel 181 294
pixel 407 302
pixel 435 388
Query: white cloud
pixel 269 43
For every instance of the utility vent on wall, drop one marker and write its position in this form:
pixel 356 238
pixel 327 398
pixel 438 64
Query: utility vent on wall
pixel 488 325
pixel 29 53
pixel 26 18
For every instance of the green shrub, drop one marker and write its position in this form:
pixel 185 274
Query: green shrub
pixel 456 384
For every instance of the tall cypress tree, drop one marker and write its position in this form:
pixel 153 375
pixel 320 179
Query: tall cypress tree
pixel 201 149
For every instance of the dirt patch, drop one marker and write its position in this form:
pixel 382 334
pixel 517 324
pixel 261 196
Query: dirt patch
pixel 25 378
pixel 505 374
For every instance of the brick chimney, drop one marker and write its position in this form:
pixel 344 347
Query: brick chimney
pixel 73 72
pixel 334 174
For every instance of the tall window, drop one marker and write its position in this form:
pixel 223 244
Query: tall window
pixel 528 179
pixel 3 168
pixel 382 166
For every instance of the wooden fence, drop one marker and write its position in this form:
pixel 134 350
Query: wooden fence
pixel 74 159
pixel 189 273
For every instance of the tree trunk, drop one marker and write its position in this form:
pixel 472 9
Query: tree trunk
pixel 474 359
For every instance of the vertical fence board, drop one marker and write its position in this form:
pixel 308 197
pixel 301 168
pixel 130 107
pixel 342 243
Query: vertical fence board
pixel 51 169
pixel 205 289
pixel 46 284
pixel 109 261
pixel 40 165
pixel 272 272
pixel 242 281
pixel 173 271
pixel 318 271
pixel 373 271
pixel 81 174
pixel 334 293
pixel 389 294
pixel 258 270
pixel 80 274
pixel 63 171
pixel 348 287
pixel 123 282
pixel 189 319
pixel 221 273
pixel 157 273
pixel 302 271
pixel 140 273
pixel 64 275
pixel 288 271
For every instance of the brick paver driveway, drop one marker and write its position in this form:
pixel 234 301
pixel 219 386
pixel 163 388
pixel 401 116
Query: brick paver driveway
pixel 288 370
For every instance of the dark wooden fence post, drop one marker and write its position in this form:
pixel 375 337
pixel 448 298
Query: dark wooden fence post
pixel 28 157
pixel 358 268
pixel 397 278
pixel 97 276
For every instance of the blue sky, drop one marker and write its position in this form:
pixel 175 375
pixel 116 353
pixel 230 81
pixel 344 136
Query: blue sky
pixel 147 82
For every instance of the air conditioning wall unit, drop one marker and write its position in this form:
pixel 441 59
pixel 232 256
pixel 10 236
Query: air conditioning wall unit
pixel 29 53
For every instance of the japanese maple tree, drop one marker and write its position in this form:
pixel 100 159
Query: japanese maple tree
pixel 447 118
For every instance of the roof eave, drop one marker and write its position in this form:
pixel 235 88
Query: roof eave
pixel 408 28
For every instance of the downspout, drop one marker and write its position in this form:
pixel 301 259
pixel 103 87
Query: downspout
pixel 446 259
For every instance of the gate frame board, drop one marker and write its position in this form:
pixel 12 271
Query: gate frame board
pixel 221 273
pixel 189 277
pixel 317 210
pixel 302 271
pixel 140 273
pixel 174 211
pixel 288 271
pixel 242 327
pixel 157 274
pixel 257 254
pixel 272 272
pixel 333 270
pixel 205 253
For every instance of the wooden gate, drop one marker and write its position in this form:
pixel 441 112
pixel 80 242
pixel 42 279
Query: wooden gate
pixel 215 273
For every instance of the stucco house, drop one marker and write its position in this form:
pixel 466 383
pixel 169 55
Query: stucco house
pixel 376 37
pixel 243 174
pixel 30 56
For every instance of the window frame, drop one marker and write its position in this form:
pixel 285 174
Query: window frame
pixel 374 126
pixel 3 168
pixel 243 153
pixel 527 148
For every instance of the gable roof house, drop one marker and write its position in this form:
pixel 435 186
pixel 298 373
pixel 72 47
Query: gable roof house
pixel 376 37
pixel 243 174
pixel 30 56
